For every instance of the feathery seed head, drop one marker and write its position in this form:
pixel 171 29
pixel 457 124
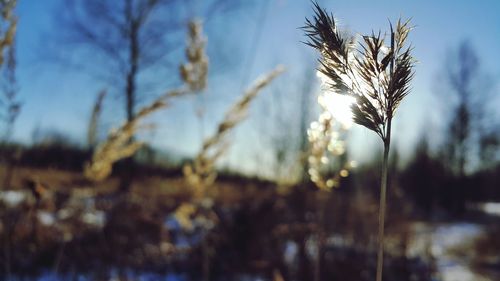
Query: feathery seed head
pixel 376 74
pixel 201 173
pixel 195 71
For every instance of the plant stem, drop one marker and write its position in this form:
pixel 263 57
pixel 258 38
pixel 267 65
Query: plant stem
pixel 320 234
pixel 206 260
pixel 382 205
pixel 383 181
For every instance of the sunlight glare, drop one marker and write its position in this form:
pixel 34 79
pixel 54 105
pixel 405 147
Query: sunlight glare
pixel 339 106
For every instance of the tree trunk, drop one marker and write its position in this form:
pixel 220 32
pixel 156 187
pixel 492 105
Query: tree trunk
pixel 130 90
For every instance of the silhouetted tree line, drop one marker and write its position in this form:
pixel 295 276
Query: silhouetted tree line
pixel 467 166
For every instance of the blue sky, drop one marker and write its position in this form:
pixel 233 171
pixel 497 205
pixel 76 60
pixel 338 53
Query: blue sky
pixel 60 99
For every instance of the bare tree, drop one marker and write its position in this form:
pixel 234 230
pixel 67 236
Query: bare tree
pixel 121 40
pixel 125 36
pixel 470 136
pixel 129 43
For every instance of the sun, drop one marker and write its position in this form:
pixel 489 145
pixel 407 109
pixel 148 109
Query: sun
pixel 338 105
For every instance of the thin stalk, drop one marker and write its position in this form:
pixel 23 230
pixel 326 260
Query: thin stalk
pixel 382 206
pixel 206 260
pixel 383 181
pixel 320 235
pixel 6 249
pixel 59 259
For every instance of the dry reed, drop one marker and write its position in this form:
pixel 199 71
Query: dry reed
pixel 376 74
pixel 327 144
pixel 195 71
pixel 201 173
pixel 118 145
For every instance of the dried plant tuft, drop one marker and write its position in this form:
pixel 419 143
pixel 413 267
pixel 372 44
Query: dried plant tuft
pixel 327 144
pixel 118 145
pixel 201 173
pixel 195 71
pixel 377 74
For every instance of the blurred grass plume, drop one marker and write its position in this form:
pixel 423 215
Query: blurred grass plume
pixel 195 71
pixel 119 144
pixel 327 144
pixel 201 173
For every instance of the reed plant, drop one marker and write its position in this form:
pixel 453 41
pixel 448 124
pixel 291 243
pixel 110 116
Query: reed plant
pixel 328 164
pixel 377 72
pixel 327 142
pixel 119 143
pixel 194 72
pixel 201 173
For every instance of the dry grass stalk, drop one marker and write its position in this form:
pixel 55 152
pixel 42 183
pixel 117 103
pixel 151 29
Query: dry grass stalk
pixel 376 74
pixel 195 71
pixel 94 120
pixel 118 145
pixel 8 27
pixel 326 138
pixel 201 173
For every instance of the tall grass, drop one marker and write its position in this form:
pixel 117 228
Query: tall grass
pixel 119 143
pixel 195 71
pixel 327 148
pixel 201 173
pixel 376 74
